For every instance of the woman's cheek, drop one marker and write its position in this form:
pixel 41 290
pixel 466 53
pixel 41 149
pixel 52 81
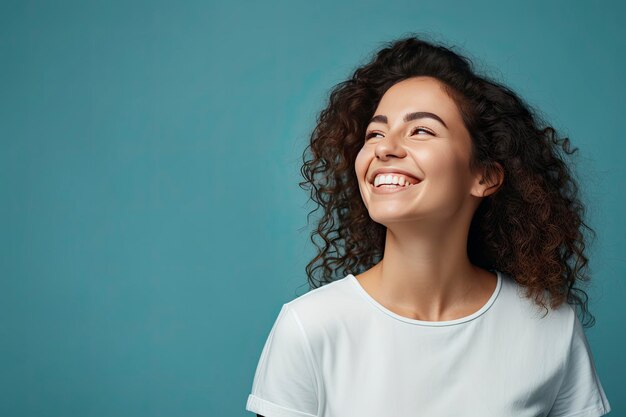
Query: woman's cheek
pixel 360 163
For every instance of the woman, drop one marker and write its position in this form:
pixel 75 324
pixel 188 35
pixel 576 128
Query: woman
pixel 450 196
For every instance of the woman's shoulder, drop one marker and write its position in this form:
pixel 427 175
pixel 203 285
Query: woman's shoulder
pixel 517 306
pixel 325 308
pixel 328 297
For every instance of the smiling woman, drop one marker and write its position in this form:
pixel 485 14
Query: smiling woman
pixel 450 223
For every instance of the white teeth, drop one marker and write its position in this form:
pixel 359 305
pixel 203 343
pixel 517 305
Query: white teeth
pixel 391 180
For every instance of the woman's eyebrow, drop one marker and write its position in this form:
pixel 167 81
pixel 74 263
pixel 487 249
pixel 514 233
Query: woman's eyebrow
pixel 409 116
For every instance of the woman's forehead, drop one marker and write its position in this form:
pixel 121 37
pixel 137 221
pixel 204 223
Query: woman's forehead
pixel 418 94
pixel 425 94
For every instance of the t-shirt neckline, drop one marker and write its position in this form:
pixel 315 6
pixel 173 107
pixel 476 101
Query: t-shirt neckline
pixel 460 320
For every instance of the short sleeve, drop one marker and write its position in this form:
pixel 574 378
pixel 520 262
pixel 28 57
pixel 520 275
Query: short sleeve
pixel 285 382
pixel 581 393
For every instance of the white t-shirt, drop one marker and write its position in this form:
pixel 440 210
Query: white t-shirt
pixel 337 352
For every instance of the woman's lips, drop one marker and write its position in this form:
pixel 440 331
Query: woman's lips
pixel 390 189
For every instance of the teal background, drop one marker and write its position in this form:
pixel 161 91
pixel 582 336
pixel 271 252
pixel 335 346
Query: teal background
pixel 151 225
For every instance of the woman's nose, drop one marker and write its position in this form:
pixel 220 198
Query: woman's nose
pixel 390 145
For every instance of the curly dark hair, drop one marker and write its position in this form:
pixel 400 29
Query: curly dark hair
pixel 531 228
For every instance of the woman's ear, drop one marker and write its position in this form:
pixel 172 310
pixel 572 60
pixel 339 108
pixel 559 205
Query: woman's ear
pixel 490 181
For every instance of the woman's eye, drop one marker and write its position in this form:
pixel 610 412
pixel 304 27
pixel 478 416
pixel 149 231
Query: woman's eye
pixel 414 131
pixel 371 134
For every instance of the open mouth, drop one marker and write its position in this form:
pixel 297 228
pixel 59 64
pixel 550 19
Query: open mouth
pixel 392 188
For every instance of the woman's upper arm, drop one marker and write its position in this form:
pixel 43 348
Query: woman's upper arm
pixel 285 381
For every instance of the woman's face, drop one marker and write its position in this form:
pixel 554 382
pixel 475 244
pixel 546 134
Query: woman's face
pixel 433 147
